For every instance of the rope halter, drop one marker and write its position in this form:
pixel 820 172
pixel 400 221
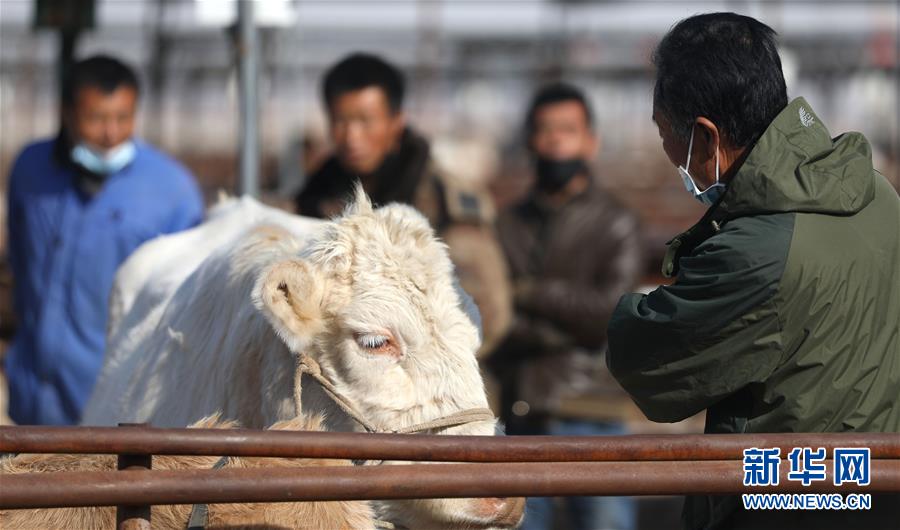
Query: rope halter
pixel 308 365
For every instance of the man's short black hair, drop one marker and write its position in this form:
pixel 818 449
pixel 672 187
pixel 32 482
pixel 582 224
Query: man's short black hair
pixel 557 93
pixel 100 71
pixel 362 70
pixel 722 66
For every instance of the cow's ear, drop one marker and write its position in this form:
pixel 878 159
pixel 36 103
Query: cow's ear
pixel 291 295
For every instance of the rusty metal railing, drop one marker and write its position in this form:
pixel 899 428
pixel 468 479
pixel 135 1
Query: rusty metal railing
pixel 354 446
pixel 414 481
pixel 495 466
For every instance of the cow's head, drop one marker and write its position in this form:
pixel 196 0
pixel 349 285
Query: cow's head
pixel 373 301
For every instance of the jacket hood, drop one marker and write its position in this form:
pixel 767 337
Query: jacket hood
pixel 797 167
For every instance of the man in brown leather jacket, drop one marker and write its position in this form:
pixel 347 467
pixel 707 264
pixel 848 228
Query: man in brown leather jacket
pixel 374 145
pixel 572 250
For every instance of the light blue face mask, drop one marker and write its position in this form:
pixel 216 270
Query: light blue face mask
pixel 105 164
pixel 710 194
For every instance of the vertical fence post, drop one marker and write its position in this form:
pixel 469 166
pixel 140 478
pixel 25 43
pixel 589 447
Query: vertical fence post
pixel 133 516
pixel 248 67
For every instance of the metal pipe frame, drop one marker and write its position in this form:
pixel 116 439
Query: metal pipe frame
pixel 359 446
pixel 131 516
pixel 106 488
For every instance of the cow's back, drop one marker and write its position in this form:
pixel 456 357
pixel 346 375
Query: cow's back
pixel 156 298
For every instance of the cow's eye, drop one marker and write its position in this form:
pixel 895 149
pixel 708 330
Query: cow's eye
pixel 371 341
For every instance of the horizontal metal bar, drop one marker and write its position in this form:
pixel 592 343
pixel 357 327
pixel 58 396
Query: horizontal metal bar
pixel 104 488
pixel 358 446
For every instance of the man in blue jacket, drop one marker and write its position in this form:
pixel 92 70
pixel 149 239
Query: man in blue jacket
pixel 79 204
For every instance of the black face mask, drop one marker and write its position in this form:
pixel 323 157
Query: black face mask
pixel 553 175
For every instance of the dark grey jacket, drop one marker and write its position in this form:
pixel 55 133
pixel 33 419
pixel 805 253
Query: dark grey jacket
pixel 785 311
pixel 569 266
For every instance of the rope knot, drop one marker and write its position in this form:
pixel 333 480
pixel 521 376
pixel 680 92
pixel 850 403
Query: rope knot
pixel 310 366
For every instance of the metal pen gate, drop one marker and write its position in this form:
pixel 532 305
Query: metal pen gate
pixel 482 466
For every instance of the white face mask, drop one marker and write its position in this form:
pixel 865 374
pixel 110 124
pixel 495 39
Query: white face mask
pixel 710 194
pixel 105 163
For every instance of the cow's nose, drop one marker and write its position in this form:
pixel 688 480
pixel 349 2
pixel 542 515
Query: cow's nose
pixel 502 512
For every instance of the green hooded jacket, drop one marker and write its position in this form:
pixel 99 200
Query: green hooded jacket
pixel 785 311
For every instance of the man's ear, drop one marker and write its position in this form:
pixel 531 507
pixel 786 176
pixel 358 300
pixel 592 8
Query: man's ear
pixel 398 125
pixel 711 135
pixel 291 294
pixel 593 148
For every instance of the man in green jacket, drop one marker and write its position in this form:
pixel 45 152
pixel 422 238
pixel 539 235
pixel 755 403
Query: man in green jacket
pixel 784 312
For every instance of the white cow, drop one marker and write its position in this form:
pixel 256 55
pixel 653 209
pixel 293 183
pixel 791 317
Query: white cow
pixel 216 318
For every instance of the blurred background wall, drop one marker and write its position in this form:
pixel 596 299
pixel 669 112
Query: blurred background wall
pixel 471 67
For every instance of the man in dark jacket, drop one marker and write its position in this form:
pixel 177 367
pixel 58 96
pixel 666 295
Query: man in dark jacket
pixel 373 145
pixel 784 313
pixel 572 251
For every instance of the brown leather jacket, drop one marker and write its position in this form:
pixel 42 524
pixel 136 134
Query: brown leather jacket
pixel 461 214
pixel 569 266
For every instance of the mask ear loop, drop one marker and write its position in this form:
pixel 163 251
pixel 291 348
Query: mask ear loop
pixel 691 143
pixel 717 164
